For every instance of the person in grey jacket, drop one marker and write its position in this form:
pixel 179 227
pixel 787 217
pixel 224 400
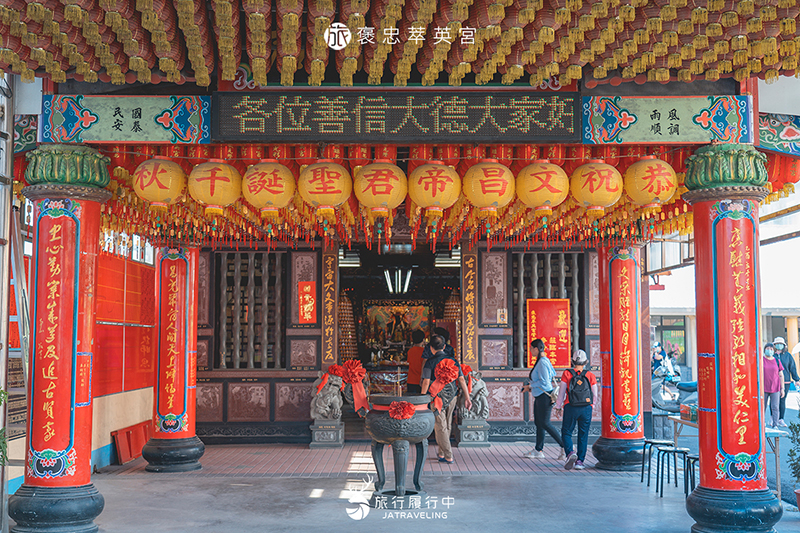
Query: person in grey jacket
pixel 789 374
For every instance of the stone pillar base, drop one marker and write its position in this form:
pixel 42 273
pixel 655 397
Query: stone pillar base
pixel 173 455
pixel 618 454
pixel 327 434
pixel 725 511
pixel 55 509
pixel 472 434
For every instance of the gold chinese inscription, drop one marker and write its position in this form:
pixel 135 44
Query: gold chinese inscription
pixel 329 309
pixel 470 284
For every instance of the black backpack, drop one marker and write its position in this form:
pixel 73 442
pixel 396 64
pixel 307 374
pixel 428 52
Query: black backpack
pixel 579 391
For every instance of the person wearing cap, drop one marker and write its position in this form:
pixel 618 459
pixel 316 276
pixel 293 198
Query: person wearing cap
pixel 773 382
pixel 577 410
pixel 789 374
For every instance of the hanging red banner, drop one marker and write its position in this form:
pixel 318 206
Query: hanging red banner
pixel 173 368
pixel 623 363
pixel 307 294
pixel 549 320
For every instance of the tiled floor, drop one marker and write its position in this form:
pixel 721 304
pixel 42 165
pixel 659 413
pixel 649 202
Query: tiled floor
pixel 297 460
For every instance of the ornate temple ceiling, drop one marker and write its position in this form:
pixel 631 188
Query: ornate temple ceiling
pixel 396 42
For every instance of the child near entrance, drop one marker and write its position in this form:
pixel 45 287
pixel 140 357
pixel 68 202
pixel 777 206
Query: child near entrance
pixel 576 394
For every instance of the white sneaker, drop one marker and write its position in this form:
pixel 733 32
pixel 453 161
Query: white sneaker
pixel 782 424
pixel 571 460
pixel 533 454
pixel 562 455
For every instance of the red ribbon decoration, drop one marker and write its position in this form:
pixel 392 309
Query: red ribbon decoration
pixel 333 370
pixel 467 370
pixel 446 372
pixel 401 410
pixel 353 373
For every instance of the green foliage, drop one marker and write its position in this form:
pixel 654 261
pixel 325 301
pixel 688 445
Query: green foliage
pixel 794 451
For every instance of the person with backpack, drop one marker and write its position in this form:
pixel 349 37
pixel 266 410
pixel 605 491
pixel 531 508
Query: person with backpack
pixel 576 394
pixel 540 385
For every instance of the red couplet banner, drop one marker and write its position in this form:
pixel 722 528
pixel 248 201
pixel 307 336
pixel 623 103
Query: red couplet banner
pixel 549 320
pixel 730 410
pixel 60 416
pixel 622 366
pixel 307 295
pixel 174 362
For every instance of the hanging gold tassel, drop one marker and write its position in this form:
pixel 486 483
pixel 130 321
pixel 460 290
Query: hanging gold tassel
pixel 729 18
pixel 288 68
pixel 669 13
pixel 756 48
pixel 685 27
pixel 627 13
pixel 587 56
pixel 547 35
pixel 653 24
pixel 610 63
pixel 696 67
pixel 739 42
pixel 562 16
pixel 628 73
pixel 770 58
pixel 715 5
pixel 768 13
pixel 600 72
pixel 754 25
pixel 788 48
pixel 688 52
pixel 684 75
pixel 700 41
pixel 641 37
pixel 709 57
pixel 788 26
pixel 744 7
pixel 674 61
pixel 725 66
pixel 741 74
pixel 754 65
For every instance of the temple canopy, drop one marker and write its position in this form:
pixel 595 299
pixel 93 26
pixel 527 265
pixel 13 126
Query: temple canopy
pixel 422 41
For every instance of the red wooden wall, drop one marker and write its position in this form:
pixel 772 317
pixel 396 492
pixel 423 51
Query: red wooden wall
pixel 124 351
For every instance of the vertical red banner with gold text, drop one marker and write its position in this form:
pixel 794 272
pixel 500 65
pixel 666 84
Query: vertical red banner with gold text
pixel 548 319
pixel 62 319
pixel 176 371
pixel 622 401
pixel 307 296
pixel 730 406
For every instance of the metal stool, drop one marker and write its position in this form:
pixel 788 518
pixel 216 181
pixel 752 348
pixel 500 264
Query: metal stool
pixel 650 443
pixel 663 454
pixel 689 463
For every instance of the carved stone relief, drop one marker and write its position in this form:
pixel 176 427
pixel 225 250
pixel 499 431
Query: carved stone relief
pixel 209 402
pixel 202 354
pixel 248 402
pixel 494 284
pixel 302 352
pixel 505 401
pixel 293 401
pixel 494 352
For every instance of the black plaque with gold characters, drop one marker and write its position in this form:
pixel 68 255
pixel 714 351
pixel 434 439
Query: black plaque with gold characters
pixel 396 116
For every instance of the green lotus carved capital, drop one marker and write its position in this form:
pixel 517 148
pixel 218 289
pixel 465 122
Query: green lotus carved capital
pixel 67 164
pixel 725 165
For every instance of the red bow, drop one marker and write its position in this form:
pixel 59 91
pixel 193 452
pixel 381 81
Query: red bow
pixel 446 372
pixel 353 373
pixel 467 370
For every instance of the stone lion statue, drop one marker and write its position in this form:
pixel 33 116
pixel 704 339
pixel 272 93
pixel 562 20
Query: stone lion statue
pixel 480 400
pixel 327 403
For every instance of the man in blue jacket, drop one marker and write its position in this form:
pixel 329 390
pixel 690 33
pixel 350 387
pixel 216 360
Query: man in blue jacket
pixel 789 374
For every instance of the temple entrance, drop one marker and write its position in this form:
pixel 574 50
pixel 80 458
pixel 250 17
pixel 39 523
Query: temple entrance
pixel 387 295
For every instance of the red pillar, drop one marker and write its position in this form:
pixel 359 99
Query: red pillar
pixel 58 492
pixel 732 494
pixel 622 428
pixel 175 446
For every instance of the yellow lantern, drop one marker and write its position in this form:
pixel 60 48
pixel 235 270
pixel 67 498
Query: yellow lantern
pixel 215 184
pixel 488 186
pixel 595 186
pixel 380 187
pixel 269 186
pixel 651 183
pixel 325 185
pixel 159 181
pixel 434 187
pixel 542 186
